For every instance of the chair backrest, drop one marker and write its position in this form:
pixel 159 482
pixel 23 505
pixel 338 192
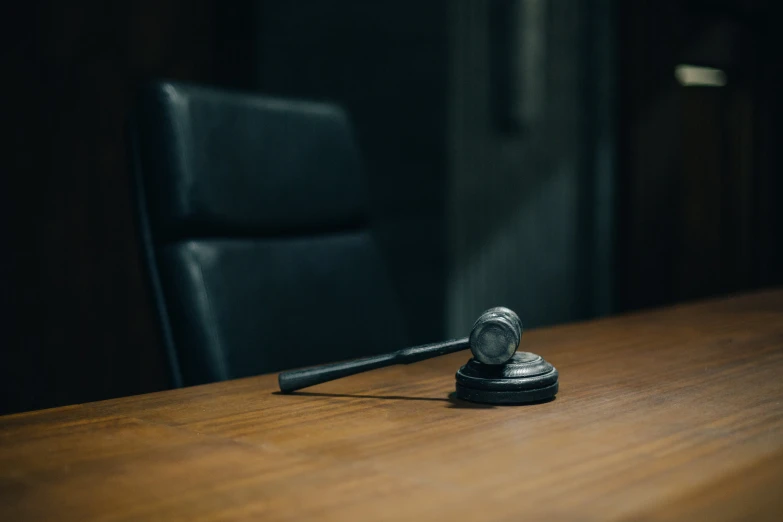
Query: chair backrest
pixel 254 223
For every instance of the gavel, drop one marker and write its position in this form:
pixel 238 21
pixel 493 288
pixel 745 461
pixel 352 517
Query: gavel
pixel 496 374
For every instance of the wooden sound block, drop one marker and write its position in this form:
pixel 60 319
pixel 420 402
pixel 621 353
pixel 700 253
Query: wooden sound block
pixel 526 378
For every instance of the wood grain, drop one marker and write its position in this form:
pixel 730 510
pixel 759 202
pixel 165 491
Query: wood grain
pixel 671 414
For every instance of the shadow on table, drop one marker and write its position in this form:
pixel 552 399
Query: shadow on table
pixel 451 400
pixel 361 396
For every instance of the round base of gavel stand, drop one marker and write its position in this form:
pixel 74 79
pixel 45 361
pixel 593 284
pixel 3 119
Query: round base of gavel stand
pixel 526 378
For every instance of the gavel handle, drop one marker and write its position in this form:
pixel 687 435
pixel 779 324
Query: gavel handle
pixel 296 379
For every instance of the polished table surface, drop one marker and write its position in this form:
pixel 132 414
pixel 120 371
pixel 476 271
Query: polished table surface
pixel 674 414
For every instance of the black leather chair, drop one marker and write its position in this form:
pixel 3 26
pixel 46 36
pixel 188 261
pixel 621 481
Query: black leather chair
pixel 254 222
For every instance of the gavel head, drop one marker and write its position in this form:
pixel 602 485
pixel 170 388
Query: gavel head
pixel 495 336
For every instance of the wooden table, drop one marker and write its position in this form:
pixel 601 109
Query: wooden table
pixel 664 415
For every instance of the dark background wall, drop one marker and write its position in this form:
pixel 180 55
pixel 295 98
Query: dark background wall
pixel 531 133
pixel 700 167
pixel 679 185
